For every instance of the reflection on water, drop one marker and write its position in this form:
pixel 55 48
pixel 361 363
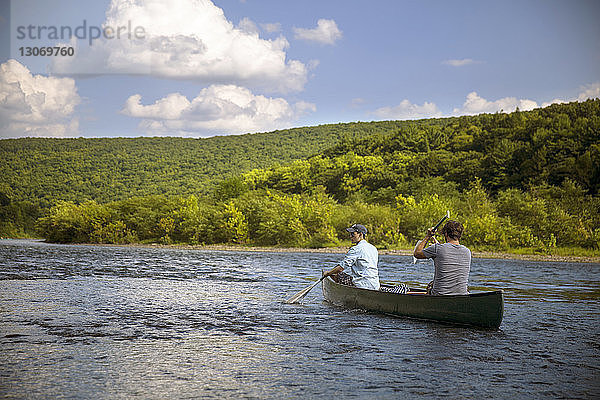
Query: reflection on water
pixel 89 321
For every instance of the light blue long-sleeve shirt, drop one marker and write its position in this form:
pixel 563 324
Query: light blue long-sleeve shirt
pixel 361 263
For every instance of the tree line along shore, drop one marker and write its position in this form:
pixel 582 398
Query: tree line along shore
pixel 342 250
pixel 521 183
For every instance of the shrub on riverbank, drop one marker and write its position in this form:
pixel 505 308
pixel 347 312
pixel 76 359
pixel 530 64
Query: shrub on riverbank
pixel 542 219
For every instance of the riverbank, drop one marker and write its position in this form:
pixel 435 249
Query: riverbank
pixel 343 250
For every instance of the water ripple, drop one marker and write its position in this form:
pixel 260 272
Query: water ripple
pixel 98 321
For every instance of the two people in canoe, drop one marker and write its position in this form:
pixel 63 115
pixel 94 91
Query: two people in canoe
pixel 451 259
pixel 360 262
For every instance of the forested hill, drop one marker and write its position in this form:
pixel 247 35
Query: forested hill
pixel 521 150
pixel 524 179
pixel 543 146
pixel 43 171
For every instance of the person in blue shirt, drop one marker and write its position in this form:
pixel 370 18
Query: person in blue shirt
pixel 360 263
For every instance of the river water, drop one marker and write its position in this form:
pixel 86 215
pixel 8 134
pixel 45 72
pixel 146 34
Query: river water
pixel 114 322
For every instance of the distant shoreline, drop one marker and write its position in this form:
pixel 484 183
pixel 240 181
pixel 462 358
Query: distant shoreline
pixel 343 250
pixel 335 250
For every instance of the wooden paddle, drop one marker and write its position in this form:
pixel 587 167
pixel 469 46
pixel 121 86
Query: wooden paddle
pixel 300 295
pixel 445 217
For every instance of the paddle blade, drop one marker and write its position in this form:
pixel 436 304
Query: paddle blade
pixel 300 295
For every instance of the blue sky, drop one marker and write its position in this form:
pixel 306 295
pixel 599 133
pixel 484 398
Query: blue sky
pixel 205 68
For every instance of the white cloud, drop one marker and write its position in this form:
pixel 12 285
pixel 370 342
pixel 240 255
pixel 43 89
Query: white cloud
pixel 555 101
pixel 304 108
pixel 326 32
pixel 313 64
pixel 474 104
pixel 357 102
pixel 186 39
pixel 407 110
pixel 218 109
pixel 36 105
pixel 248 26
pixel 591 91
pixel 271 27
pixel 459 63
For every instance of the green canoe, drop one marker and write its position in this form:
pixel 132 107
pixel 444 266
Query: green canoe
pixel 478 309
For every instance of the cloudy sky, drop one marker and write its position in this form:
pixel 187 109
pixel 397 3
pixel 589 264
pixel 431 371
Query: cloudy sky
pixel 201 68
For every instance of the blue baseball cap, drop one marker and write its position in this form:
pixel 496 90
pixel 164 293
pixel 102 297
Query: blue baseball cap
pixel 357 228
